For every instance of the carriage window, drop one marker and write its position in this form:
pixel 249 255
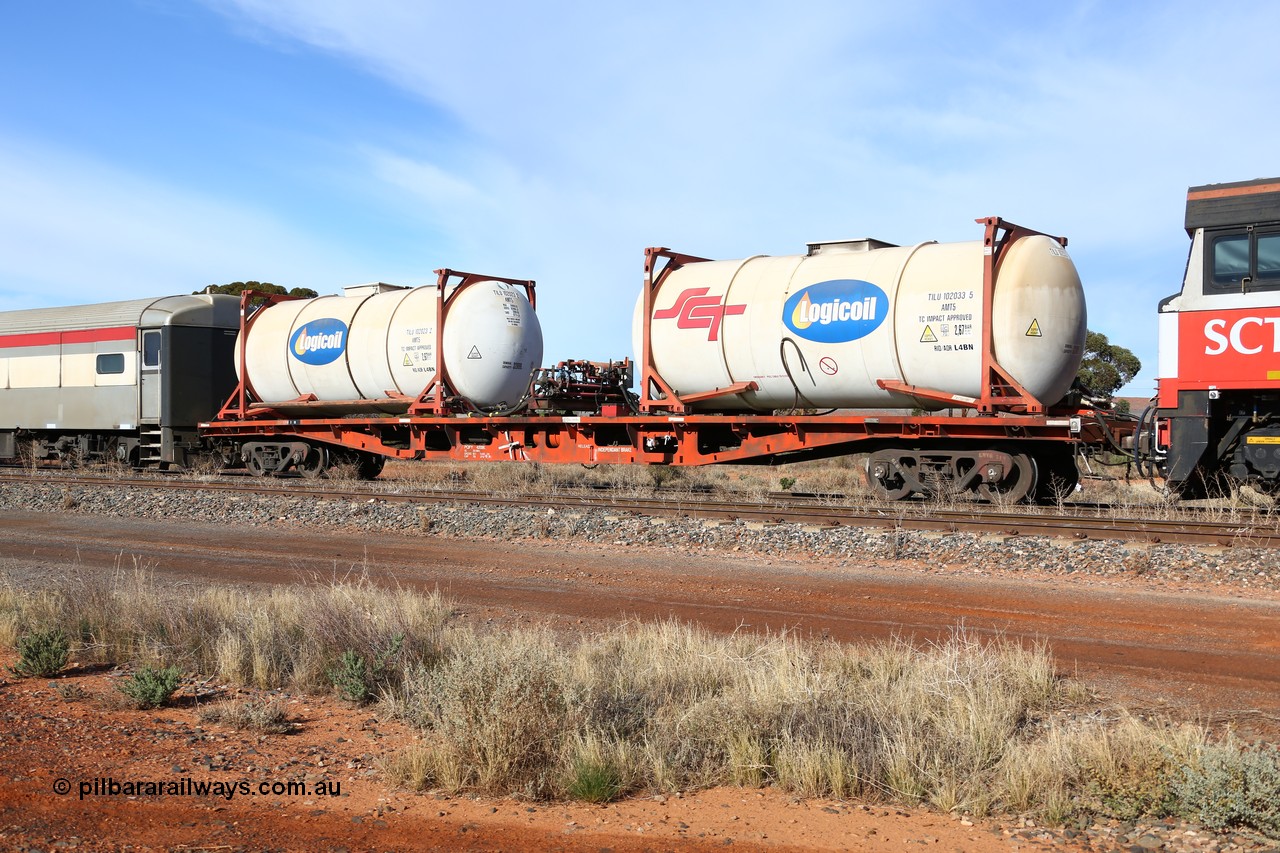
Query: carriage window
pixel 110 363
pixel 1230 258
pixel 150 349
pixel 1269 256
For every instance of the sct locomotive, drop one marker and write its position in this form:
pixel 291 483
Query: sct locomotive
pixel 1216 418
pixel 948 365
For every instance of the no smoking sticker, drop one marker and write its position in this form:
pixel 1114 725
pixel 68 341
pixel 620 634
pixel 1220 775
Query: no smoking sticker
pixel 828 366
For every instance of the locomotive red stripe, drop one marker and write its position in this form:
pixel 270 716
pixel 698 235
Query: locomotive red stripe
pixel 1231 192
pixel 79 336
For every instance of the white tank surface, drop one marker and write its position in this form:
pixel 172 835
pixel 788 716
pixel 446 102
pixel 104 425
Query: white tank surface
pixel 818 330
pixel 371 347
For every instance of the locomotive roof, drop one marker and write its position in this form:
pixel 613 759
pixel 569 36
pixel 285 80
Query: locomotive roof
pixel 1240 203
pixel 216 310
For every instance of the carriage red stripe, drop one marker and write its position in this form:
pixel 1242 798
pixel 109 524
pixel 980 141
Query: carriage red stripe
pixel 77 336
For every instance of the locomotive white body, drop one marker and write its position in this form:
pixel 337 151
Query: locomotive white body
pixel 382 347
pixel 819 330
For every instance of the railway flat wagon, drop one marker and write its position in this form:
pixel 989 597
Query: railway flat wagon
pixel 118 380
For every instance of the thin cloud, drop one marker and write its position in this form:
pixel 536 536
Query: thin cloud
pixel 73 229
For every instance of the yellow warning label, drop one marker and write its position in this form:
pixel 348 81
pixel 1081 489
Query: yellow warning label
pixel 1273 374
pixel 928 337
pixel 1262 439
pixel 407 361
pixel 1033 331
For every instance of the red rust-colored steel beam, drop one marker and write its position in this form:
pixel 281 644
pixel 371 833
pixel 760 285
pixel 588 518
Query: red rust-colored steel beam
pixel 239 403
pixel 999 389
pixel 655 392
pixel 677 440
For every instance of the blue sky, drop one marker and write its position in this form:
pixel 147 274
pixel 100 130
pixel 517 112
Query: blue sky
pixel 156 147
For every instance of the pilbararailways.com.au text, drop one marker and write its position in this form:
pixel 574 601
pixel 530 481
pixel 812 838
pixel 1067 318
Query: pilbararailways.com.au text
pixel 186 786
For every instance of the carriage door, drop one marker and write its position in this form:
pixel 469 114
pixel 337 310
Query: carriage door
pixel 149 380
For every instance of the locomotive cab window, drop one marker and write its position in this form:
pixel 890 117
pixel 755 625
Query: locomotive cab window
pixel 151 349
pixel 110 363
pixel 1268 266
pixel 1242 261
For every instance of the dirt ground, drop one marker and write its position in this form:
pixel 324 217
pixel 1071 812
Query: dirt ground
pixel 48 742
pixel 1209 655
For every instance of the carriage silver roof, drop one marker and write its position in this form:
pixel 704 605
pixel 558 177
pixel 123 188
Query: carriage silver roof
pixel 216 310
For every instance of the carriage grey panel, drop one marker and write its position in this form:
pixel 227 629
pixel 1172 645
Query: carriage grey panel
pixel 70 409
pixel 217 310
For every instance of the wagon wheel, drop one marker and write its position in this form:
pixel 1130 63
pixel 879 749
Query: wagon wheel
pixel 892 486
pixel 315 463
pixel 1058 478
pixel 1017 484
pixel 255 465
pixel 357 464
pixel 369 466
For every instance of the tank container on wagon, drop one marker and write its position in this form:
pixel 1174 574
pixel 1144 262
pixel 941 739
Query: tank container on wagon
pixel 358 348
pixel 819 330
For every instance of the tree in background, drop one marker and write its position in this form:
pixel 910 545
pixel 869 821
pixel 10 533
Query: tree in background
pixel 1106 367
pixel 235 288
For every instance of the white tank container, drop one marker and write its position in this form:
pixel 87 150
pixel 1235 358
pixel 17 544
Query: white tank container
pixel 351 348
pixel 818 330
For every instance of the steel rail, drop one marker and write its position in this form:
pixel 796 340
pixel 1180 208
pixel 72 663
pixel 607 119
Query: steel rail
pixel 1255 530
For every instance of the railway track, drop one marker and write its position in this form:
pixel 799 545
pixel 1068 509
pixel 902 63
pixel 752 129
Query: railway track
pixel 1242 529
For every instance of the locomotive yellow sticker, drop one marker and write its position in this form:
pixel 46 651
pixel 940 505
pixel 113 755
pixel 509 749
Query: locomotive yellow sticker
pixel 1262 439
pixel 928 337
pixel 1033 331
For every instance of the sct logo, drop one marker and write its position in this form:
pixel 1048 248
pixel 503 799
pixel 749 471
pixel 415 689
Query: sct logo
pixel 1220 338
pixel 836 312
pixel 319 341
pixel 695 310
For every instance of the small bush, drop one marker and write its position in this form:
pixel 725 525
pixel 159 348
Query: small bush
pixel 359 681
pixel 1230 787
pixel 495 712
pixel 42 653
pixel 265 715
pixel 150 687
pixel 594 782
pixel 351 677
pixel 786 483
pixel 596 770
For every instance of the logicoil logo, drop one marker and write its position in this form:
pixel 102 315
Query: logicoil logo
pixel 319 341
pixel 837 311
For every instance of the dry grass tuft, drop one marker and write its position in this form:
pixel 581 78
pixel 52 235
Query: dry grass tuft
pixel 262 714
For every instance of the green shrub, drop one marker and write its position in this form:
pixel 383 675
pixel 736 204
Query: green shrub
pixel 351 677
pixel 786 483
pixel 359 681
pixel 42 653
pixel 594 781
pixel 150 687
pixel 1231 787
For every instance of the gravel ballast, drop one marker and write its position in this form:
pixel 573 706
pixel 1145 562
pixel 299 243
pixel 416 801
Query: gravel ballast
pixel 1238 567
